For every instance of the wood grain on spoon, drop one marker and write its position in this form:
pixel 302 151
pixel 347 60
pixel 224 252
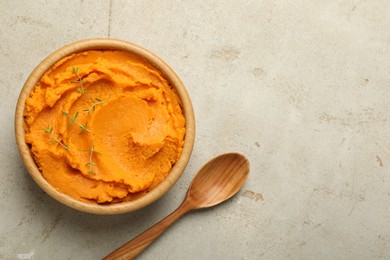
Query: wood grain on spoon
pixel 217 181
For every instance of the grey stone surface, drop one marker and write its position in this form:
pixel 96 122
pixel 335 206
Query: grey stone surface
pixel 300 87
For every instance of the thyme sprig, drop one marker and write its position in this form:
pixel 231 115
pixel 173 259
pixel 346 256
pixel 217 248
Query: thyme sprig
pixel 73 119
pixel 94 104
pixel 90 163
pixel 49 130
pixel 84 127
pixel 83 90
pixel 57 140
pixel 79 80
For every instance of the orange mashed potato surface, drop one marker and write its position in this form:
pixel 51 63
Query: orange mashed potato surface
pixel 104 126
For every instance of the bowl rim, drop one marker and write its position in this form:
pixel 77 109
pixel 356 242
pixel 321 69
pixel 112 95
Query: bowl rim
pixel 105 44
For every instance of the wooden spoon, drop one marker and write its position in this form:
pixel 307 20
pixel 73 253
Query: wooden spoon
pixel 217 181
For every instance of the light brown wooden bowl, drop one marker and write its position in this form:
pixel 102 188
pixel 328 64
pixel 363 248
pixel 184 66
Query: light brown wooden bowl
pixel 104 44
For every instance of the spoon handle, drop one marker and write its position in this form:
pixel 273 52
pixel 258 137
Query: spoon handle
pixel 135 246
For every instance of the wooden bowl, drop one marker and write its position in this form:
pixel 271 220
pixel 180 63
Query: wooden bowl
pixel 122 207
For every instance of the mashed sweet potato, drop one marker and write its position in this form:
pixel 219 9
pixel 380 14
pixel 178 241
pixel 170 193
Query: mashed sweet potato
pixel 104 126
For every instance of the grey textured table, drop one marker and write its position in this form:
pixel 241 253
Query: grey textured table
pixel 300 87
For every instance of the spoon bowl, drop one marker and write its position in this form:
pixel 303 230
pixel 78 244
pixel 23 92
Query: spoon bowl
pixel 217 181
